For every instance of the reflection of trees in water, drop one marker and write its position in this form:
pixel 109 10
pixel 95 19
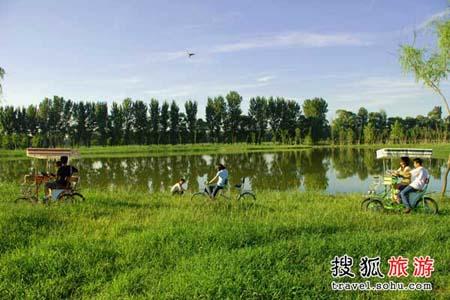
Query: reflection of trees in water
pixel 348 162
pixel 278 170
pixel 373 165
pixel 314 165
pixel 344 162
pixel 8 169
pixel 434 167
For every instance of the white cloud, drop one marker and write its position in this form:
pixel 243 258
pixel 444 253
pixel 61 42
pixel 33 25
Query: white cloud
pixel 291 39
pixel 265 78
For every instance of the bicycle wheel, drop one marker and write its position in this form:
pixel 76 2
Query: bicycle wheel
pixel 247 196
pixel 427 205
pixel 31 199
pixel 71 197
pixel 364 203
pixel 199 196
pixel 77 197
pixel 374 205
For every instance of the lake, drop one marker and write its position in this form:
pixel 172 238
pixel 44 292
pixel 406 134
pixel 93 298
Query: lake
pixel 330 170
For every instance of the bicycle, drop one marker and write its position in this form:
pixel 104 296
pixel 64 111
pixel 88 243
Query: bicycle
pixel 242 193
pixel 32 183
pixel 380 201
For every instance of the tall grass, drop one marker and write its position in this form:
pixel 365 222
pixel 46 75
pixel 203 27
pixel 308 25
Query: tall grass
pixel 125 244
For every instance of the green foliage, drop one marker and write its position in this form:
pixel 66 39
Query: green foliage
pixel 397 132
pixel 298 136
pixel 155 120
pixel 174 123
pixel 128 120
pixel 215 116
pixel 429 68
pixel 115 124
pixel 308 139
pixel 233 115
pixel 258 114
pixel 191 120
pixel 369 134
pixel 315 112
pixel 101 121
pixel 140 126
pixel 283 117
pixel 344 126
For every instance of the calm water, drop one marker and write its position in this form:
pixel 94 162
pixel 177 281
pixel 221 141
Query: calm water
pixel 330 170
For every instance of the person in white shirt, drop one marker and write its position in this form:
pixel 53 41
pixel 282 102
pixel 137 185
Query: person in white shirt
pixel 222 181
pixel 178 188
pixel 419 178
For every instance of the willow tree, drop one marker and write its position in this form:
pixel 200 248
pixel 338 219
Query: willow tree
pixel 431 68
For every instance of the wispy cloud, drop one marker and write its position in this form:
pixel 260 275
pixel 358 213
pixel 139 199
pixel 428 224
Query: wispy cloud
pixel 211 88
pixel 265 78
pixel 156 57
pixel 280 40
pixel 130 80
pixel 294 39
pixel 216 21
pixel 382 87
pixel 172 92
pixel 377 92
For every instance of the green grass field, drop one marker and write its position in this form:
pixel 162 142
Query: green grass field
pixel 123 244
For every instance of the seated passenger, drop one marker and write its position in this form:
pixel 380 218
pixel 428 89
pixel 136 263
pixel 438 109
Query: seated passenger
pixel 222 181
pixel 63 174
pixel 177 188
pixel 404 172
pixel 419 177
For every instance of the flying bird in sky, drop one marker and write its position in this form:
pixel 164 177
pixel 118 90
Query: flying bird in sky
pixel 190 54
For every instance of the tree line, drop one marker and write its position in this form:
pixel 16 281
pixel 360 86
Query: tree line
pixel 59 122
pixel 375 127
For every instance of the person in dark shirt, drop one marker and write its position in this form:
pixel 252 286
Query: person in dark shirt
pixel 63 174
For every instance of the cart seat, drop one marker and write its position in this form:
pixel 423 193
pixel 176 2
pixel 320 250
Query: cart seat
pixel 56 192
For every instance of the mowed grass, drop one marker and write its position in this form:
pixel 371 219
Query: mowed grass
pixel 163 150
pixel 440 150
pixel 125 244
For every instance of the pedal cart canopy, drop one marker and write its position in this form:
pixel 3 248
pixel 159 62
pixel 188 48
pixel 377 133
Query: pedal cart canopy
pixel 51 153
pixel 402 152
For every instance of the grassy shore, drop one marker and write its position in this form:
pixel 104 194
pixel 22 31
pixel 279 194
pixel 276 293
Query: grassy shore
pixel 123 244
pixel 440 150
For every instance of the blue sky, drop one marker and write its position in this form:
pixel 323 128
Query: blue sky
pixel 343 51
